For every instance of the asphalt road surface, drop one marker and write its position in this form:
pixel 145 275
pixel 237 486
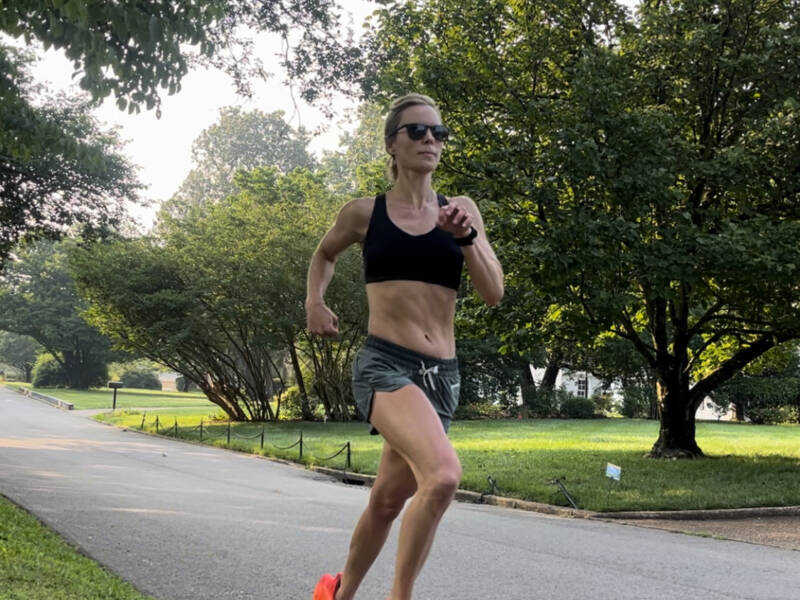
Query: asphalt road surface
pixel 181 521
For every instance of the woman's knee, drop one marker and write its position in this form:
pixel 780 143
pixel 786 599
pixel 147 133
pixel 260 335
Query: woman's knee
pixel 442 484
pixel 386 503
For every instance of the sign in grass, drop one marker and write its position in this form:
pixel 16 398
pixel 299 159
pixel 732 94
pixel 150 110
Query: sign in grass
pixel 613 471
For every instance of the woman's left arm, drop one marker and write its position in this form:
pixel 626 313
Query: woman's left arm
pixel 458 217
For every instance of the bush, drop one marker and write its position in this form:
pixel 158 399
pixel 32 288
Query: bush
pixel 145 380
pixel 141 374
pixel 48 373
pixel 603 404
pixel 545 404
pixel 769 415
pixel 638 401
pixel 577 407
pixel 479 410
pixel 291 408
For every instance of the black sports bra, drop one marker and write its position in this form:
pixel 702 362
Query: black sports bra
pixel 392 254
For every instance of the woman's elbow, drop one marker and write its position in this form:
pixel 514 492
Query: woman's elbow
pixel 493 296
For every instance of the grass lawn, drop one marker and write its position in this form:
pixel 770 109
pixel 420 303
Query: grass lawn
pixel 126 398
pixel 747 465
pixel 36 564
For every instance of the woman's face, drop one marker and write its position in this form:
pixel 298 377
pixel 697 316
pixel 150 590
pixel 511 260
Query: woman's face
pixel 416 155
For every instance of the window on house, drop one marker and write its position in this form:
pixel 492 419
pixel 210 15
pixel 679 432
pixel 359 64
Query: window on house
pixel 583 387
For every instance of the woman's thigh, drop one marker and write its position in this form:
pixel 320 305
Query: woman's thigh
pixel 410 425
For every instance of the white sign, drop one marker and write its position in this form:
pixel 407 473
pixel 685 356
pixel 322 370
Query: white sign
pixel 613 471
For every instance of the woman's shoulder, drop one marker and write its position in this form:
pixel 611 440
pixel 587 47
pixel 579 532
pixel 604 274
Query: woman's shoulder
pixel 356 213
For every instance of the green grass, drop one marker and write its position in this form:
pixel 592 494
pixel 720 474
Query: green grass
pixel 36 564
pixel 126 398
pixel 746 465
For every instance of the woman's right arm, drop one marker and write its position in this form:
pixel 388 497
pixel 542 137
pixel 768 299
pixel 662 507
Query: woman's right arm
pixel 349 228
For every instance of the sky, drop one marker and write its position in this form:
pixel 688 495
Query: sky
pixel 161 148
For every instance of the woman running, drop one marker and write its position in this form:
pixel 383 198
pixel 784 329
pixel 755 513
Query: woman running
pixel 405 378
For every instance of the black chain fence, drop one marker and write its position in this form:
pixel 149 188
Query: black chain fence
pixel 204 432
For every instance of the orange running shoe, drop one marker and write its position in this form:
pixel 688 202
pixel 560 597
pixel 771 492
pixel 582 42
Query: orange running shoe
pixel 327 586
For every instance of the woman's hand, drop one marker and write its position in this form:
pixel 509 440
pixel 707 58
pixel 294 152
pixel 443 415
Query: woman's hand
pixel 321 320
pixel 455 219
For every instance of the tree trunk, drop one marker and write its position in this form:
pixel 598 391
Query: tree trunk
pixel 739 408
pixel 527 384
pixel 551 374
pixel 305 405
pixel 676 436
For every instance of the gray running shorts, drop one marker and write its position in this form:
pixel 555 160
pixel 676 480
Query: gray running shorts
pixel 381 366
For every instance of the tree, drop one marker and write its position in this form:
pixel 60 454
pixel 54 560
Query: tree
pixel 240 140
pixel 57 166
pixel 219 298
pixel 767 390
pixel 20 352
pixel 640 176
pixel 38 299
pixel 134 50
pixel 359 169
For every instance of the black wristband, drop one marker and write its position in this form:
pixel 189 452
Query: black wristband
pixel 467 239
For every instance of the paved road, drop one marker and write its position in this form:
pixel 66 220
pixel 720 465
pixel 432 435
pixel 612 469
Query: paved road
pixel 187 522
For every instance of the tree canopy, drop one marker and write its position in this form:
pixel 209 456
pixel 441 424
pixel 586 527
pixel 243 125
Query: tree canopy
pixel 220 297
pixel 38 299
pixel 58 167
pixel 640 176
pixel 239 140
pixel 134 50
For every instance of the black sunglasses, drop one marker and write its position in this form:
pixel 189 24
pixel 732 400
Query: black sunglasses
pixel 417 131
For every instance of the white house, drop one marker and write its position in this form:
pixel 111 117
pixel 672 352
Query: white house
pixel 579 383
pixel 710 411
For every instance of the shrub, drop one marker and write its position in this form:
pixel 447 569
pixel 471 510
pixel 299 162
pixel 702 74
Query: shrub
pixel 638 401
pixel 48 373
pixel 139 373
pixel 145 380
pixel 545 404
pixel 291 409
pixel 603 404
pixel 769 415
pixel 577 407
pixel 480 410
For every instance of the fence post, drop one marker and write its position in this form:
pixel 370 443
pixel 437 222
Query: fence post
pixel 176 426
pixel 347 465
pixel 262 436
pixel 156 423
pixel 301 445
pixel 144 416
pixel 229 433
pixel 201 429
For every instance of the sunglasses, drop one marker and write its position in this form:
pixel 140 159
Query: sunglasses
pixel 417 131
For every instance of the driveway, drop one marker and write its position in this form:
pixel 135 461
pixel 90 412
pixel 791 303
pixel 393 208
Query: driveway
pixel 186 522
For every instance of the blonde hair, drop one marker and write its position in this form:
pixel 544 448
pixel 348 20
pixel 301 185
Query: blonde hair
pixel 393 120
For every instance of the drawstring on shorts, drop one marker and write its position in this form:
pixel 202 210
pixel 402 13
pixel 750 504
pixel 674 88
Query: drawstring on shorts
pixel 428 372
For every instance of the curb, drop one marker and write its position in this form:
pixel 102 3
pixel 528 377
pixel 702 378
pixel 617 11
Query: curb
pixel 57 402
pixel 470 497
pixel 703 515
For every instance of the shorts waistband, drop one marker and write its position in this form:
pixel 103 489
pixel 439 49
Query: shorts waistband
pixel 401 353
